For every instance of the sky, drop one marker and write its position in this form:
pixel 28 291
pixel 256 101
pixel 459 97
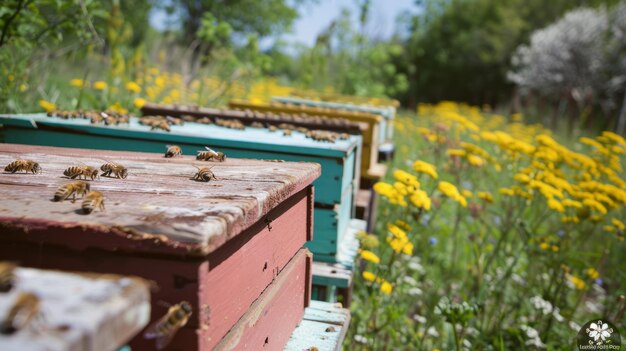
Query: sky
pixel 316 16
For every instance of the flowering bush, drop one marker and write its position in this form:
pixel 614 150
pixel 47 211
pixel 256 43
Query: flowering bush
pixel 494 236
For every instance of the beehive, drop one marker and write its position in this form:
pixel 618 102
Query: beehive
pixel 371 136
pixel 218 244
pixel 80 312
pixel 387 112
pixel 334 200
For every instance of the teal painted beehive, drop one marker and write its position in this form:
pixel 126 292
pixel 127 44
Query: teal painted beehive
pixel 334 190
pixel 388 112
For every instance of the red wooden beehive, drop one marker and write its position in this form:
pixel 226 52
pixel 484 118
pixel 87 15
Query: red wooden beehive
pixel 232 246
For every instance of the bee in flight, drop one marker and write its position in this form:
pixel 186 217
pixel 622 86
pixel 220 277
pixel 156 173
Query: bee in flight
pixel 20 314
pixel 116 169
pixel 93 200
pixel 165 328
pixel 7 277
pixel 173 150
pixel 204 174
pixel 71 189
pixel 81 171
pixel 23 165
pixel 210 154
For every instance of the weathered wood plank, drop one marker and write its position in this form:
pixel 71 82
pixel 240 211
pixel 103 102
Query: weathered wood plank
pixel 158 202
pixel 324 326
pixel 79 312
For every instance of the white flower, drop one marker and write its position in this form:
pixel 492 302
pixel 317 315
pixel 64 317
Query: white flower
pixel 409 280
pixel 557 315
pixel 432 332
pixel 419 319
pixel 574 326
pixel 599 331
pixel 360 339
pixel 415 291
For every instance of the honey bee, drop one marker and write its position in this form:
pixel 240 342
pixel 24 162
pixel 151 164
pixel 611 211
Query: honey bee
pixel 173 150
pixel 81 171
pixel 166 327
pixel 272 128
pixel 161 125
pixel 6 276
pixel 21 313
pixel 204 174
pixel 23 165
pixel 257 125
pixel 93 200
pixel 71 189
pixel 344 136
pixel 287 132
pixel 114 168
pixel 174 121
pixel 210 154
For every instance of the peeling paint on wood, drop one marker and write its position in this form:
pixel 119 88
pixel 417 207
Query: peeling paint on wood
pixel 78 312
pixel 157 202
pixel 323 326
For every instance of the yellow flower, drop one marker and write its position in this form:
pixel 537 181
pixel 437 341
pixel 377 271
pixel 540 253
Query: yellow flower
pixel 456 152
pixel 420 199
pixel 556 205
pixel 591 203
pixel 370 256
pixel 506 191
pixel 617 223
pixel 369 276
pixel 100 85
pixel 134 87
pixel 139 102
pixel 117 107
pixel 577 282
pixel 79 83
pixel 571 203
pixel 544 246
pixel 485 196
pixel 475 161
pixel 592 273
pixel 449 190
pixel 23 88
pixel 406 178
pixel 396 231
pixel 608 228
pixel 555 248
pixel 47 105
pixel 367 240
pixel 386 288
pixel 426 168
pixel 466 193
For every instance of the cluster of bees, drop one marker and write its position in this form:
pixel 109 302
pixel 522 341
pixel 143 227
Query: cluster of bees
pixel 27 308
pixel 106 117
pixel 326 135
pixel 230 123
pixel 160 122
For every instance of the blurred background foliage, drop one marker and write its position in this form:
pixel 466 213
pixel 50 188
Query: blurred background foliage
pixel 475 51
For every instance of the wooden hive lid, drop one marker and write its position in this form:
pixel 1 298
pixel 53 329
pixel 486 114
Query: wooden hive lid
pixel 157 208
pixel 291 108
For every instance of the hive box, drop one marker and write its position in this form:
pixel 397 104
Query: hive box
pixel 81 312
pixel 334 200
pixel 370 136
pixel 218 245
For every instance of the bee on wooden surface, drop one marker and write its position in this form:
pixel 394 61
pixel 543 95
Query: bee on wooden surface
pixel 166 327
pixel 7 277
pixel 81 171
pixel 188 118
pixel 71 189
pixel 116 169
pixel 272 128
pixel 257 125
pixel 93 200
pixel 210 154
pixel 204 174
pixel 173 150
pixel 21 313
pixel 287 132
pixel 204 120
pixel 302 130
pixel 344 136
pixel 161 125
pixel 174 121
pixel 23 165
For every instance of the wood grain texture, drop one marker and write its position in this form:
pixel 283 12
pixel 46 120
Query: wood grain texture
pixel 271 319
pixel 157 203
pixel 79 312
pixel 324 326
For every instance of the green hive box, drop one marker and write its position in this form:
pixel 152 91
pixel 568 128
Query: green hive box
pixel 334 191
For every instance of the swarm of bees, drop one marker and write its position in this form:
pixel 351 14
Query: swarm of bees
pixel 23 165
pixel 107 117
pixel 210 154
pixel 115 169
pixel 160 122
pixel 230 123
pixel 164 329
pixel 81 171
pixel 173 150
